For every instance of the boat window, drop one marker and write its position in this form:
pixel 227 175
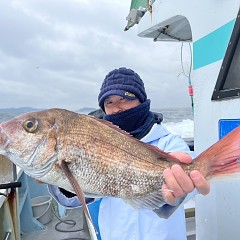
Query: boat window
pixel 228 82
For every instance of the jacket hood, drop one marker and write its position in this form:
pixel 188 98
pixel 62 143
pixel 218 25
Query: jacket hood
pixel 155 133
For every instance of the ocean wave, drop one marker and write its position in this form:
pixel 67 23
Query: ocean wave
pixel 184 128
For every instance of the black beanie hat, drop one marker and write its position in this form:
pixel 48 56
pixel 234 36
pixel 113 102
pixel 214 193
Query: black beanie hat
pixel 122 82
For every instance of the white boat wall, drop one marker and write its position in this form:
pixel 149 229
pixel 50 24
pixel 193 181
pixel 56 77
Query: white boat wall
pixel 212 27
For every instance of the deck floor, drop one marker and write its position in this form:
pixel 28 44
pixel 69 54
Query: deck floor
pixel 52 234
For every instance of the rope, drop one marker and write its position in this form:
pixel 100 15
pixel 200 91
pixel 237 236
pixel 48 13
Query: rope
pixel 190 87
pixel 68 222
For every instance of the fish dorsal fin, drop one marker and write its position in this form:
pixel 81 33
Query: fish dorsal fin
pixel 162 154
pixel 159 153
pixel 111 125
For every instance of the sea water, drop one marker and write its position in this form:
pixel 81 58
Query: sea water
pixel 178 121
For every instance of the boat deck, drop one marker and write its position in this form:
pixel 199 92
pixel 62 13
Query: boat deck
pixel 57 230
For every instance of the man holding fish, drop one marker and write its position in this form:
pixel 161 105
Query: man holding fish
pixel 124 101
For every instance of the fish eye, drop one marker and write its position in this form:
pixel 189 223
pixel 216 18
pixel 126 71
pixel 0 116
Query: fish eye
pixel 30 125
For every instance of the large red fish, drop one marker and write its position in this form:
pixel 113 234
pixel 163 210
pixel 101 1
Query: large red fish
pixel 104 160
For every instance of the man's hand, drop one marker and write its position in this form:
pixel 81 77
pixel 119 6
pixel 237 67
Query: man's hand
pixel 179 183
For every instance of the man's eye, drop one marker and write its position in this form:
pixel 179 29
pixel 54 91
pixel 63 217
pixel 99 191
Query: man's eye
pixel 123 100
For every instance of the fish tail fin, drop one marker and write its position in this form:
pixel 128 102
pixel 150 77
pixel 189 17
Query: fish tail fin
pixel 223 157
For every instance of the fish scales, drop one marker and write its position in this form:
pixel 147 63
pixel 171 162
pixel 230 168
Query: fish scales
pixel 120 165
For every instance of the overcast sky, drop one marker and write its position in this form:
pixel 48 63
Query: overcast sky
pixel 56 54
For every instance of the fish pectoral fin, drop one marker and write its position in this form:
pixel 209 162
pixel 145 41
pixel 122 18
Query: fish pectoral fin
pixel 80 194
pixel 150 201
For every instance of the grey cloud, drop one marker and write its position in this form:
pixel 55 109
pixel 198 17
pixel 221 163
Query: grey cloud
pixel 56 54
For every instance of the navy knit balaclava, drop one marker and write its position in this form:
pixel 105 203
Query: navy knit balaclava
pixel 137 121
pixel 122 82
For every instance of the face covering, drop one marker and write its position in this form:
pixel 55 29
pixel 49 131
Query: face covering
pixel 138 121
